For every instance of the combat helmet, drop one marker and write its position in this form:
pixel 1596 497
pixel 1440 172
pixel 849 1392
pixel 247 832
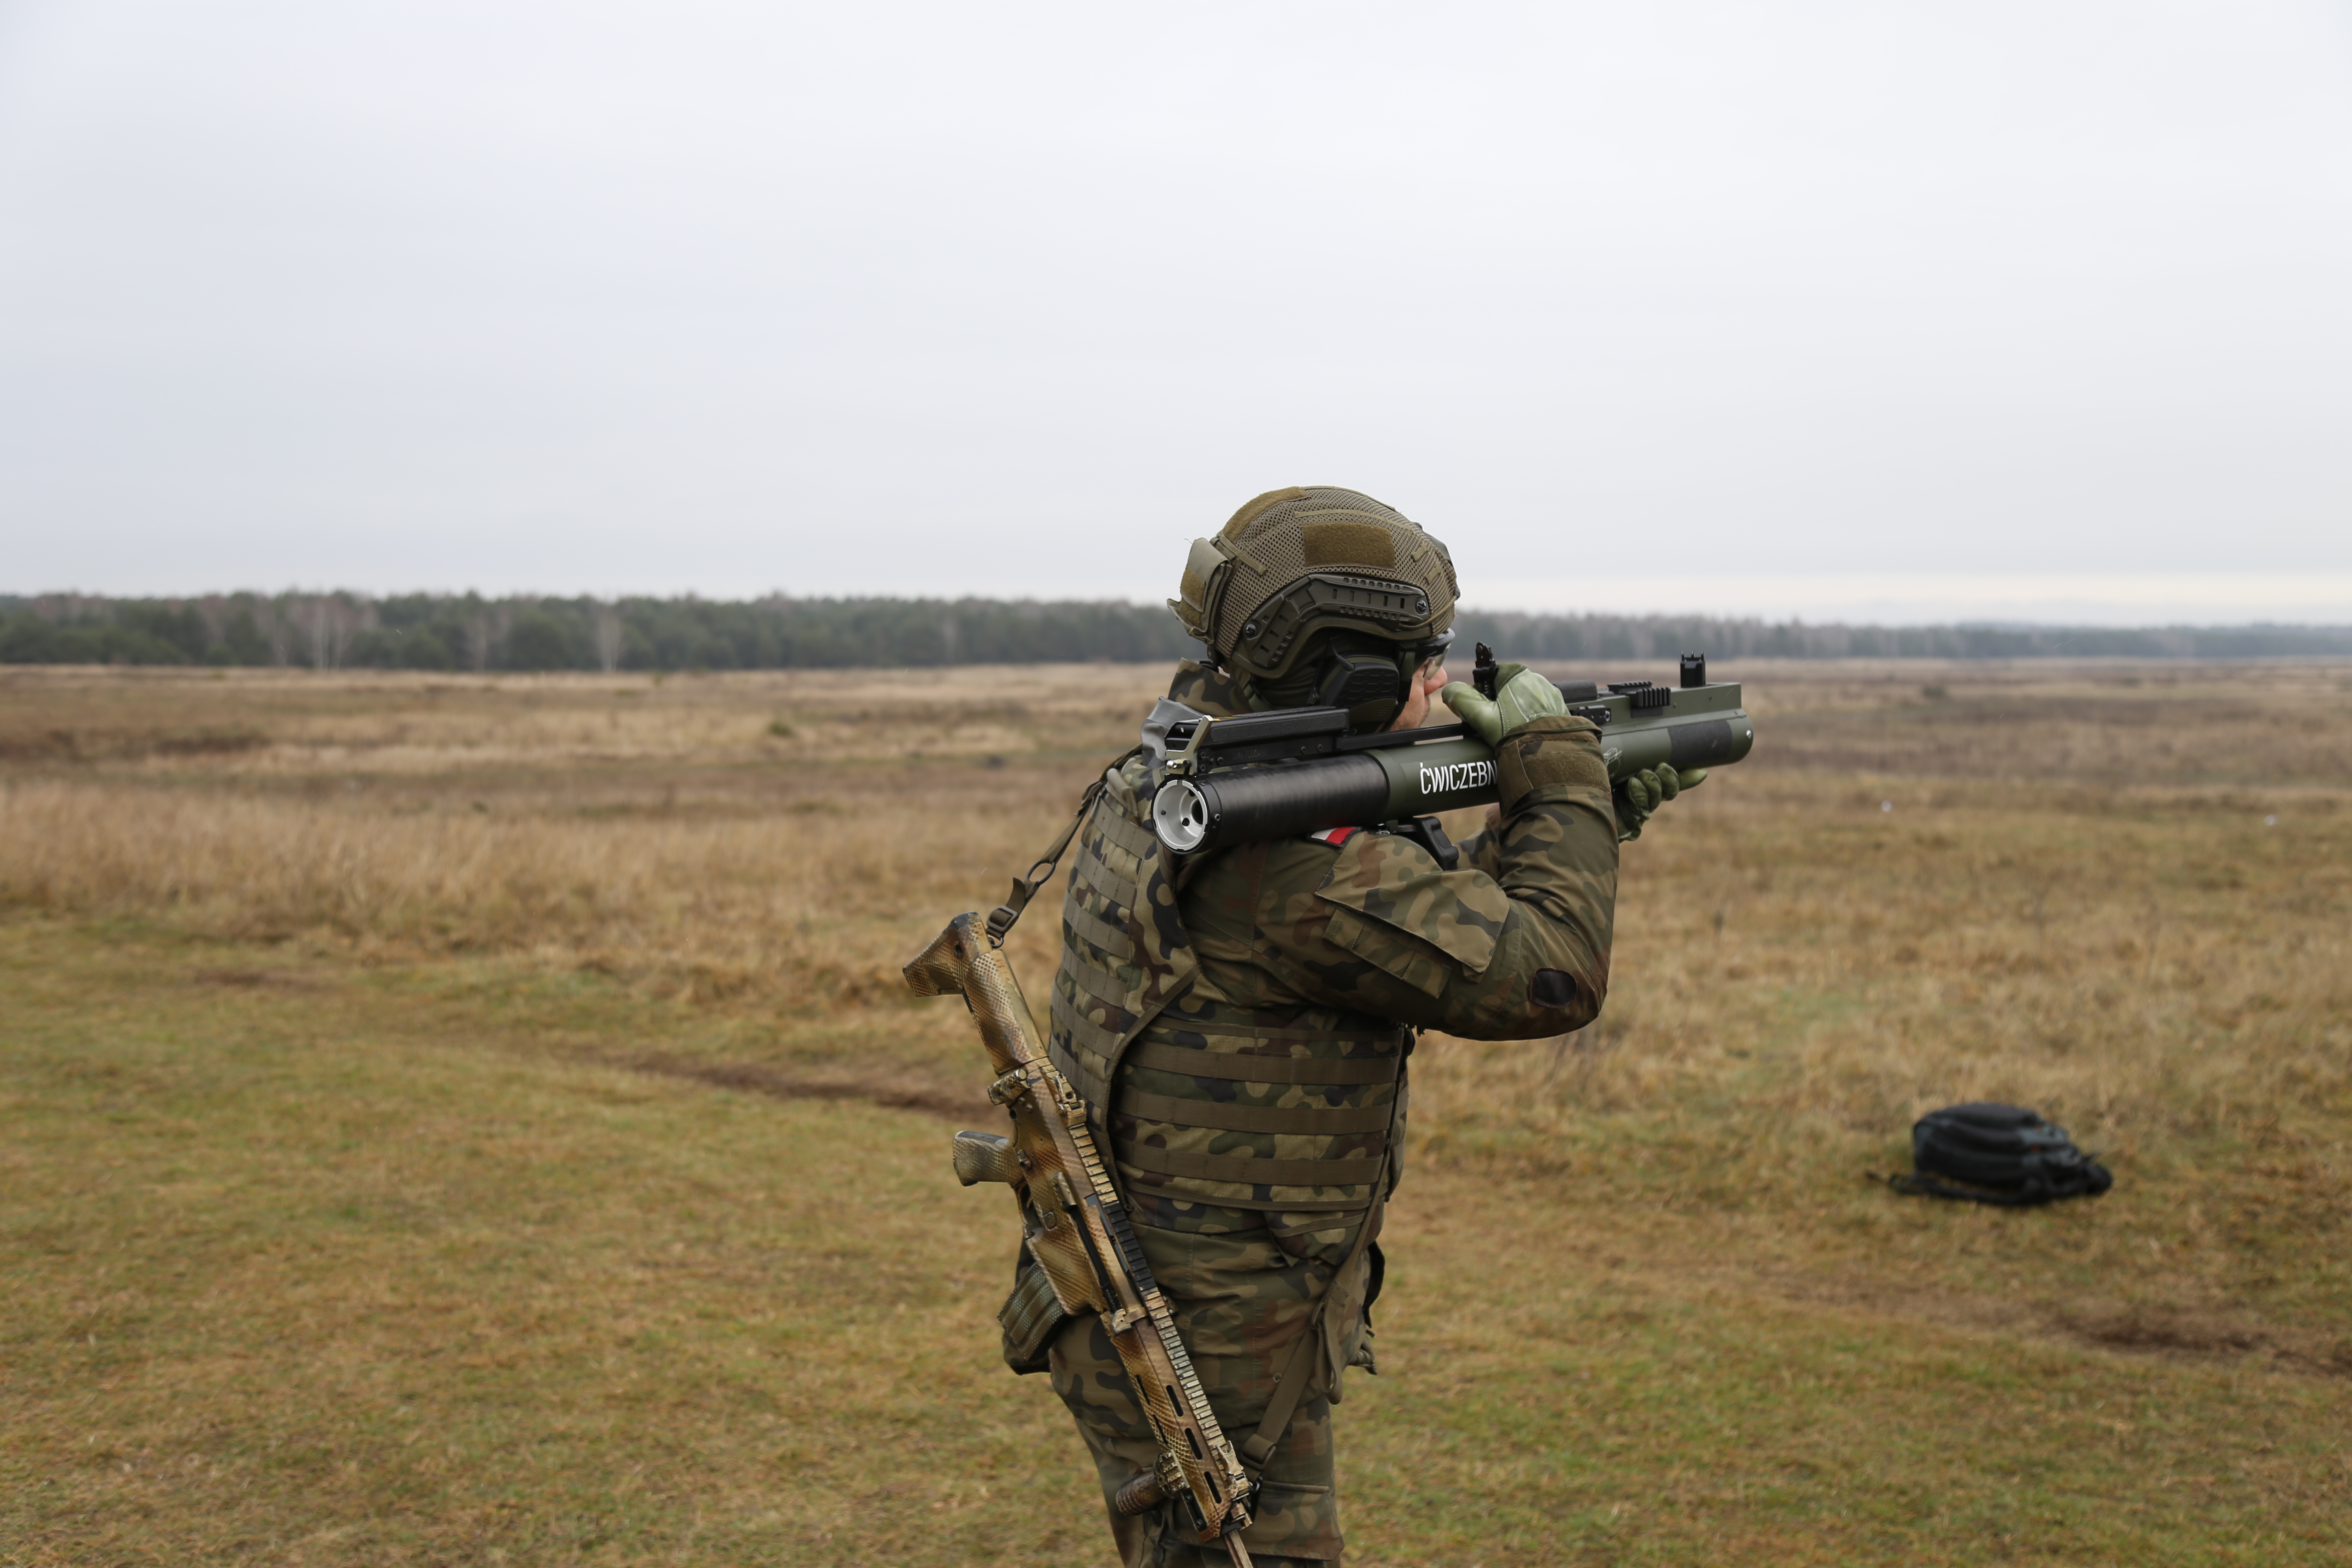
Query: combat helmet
pixel 1320 596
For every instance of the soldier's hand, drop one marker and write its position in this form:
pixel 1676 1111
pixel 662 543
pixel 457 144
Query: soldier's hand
pixel 1425 684
pixel 1520 695
pixel 1639 795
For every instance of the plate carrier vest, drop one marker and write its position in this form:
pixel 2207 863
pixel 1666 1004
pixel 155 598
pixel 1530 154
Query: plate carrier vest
pixel 1197 1099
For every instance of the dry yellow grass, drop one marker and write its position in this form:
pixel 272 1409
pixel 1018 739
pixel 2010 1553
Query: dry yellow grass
pixel 2054 884
pixel 658 829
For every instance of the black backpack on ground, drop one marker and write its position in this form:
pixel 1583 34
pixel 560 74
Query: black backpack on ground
pixel 2002 1154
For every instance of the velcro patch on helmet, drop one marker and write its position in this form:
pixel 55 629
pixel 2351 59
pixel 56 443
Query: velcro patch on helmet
pixel 1348 544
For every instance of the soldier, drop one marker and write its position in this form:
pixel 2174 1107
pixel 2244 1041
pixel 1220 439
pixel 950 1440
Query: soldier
pixel 1239 1023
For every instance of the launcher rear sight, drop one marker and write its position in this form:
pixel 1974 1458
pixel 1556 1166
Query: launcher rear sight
pixel 1298 734
pixel 1287 734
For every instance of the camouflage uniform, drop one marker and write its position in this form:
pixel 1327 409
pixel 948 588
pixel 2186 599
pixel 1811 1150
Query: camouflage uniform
pixel 1240 1024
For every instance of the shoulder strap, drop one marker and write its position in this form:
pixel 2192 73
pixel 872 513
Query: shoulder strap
pixel 1041 871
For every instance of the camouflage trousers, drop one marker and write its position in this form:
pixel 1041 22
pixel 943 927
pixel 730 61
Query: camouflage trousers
pixel 1240 1300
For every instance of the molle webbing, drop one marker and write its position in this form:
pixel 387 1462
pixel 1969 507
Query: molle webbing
pixel 1186 1023
pixel 1133 837
pixel 1102 987
pixel 1101 877
pixel 1240 1067
pixel 1251 1168
pixel 1199 1115
pixel 1098 931
pixel 1082 1051
pixel 1084 1031
pixel 1309 1120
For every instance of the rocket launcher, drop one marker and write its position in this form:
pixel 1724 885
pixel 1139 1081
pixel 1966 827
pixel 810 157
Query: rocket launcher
pixel 1274 776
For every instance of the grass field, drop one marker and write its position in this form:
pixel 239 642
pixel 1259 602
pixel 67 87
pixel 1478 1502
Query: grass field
pixel 455 1121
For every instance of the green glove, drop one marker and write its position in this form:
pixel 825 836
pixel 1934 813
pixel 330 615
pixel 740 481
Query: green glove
pixel 1639 795
pixel 1520 695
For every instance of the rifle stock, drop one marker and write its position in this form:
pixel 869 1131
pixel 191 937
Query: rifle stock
pixel 1076 1228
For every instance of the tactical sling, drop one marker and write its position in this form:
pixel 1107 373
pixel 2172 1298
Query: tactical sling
pixel 1024 887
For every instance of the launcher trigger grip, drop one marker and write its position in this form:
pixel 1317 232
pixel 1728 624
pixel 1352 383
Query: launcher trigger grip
pixel 1430 834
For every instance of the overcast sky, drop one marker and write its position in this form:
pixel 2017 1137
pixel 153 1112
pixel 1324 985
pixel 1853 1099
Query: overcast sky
pixel 1903 312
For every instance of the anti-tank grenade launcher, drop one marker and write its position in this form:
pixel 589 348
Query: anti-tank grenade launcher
pixel 1274 776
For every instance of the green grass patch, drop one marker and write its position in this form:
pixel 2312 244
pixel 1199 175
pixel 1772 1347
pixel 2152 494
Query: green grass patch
pixel 317 1264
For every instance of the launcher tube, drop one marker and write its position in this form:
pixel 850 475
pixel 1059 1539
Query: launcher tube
pixel 1439 776
pixel 1246 806
pixel 1364 789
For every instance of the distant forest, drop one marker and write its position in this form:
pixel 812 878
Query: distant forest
pixel 442 631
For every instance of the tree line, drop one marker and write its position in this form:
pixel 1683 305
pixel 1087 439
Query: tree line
pixel 468 631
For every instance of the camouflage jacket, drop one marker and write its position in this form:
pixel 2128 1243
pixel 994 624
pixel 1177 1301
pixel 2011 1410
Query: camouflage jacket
pixel 1512 945
pixel 1238 1023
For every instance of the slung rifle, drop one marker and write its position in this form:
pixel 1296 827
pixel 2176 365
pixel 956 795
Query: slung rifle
pixel 1075 1225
